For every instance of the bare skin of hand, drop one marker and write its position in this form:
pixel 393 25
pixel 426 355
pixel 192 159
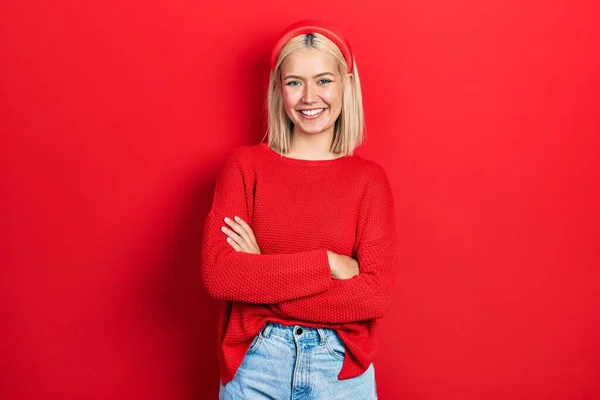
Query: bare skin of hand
pixel 342 267
pixel 240 236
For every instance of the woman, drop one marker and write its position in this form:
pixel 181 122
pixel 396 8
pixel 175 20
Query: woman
pixel 300 241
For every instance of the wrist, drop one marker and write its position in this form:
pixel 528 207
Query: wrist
pixel 331 259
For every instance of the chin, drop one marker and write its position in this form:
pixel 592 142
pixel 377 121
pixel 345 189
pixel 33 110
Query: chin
pixel 313 131
pixel 311 128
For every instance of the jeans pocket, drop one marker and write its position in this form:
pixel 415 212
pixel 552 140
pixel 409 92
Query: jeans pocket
pixel 255 344
pixel 335 346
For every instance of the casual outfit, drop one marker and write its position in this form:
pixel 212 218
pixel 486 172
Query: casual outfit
pixel 299 209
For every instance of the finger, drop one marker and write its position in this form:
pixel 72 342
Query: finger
pixel 234 244
pixel 235 238
pixel 247 228
pixel 239 229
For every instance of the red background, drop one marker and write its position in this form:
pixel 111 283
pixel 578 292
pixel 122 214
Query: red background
pixel 116 116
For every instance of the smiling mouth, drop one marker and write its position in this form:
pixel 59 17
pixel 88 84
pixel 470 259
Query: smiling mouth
pixel 313 112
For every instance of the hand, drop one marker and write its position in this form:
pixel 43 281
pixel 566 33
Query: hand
pixel 240 236
pixel 342 267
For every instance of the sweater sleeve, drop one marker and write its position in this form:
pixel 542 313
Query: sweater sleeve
pixel 369 294
pixel 253 278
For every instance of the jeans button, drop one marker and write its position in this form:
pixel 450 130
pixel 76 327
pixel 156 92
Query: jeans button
pixel 299 331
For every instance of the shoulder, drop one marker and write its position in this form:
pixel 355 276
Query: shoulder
pixel 238 154
pixel 370 169
pixel 248 152
pixel 243 156
pixel 374 180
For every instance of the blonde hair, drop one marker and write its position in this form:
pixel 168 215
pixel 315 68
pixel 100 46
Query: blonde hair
pixel 349 127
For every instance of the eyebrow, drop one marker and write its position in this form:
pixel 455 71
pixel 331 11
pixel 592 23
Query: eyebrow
pixel 316 76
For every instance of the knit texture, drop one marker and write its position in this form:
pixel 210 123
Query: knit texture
pixel 299 209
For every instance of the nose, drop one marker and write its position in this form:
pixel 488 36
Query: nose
pixel 310 93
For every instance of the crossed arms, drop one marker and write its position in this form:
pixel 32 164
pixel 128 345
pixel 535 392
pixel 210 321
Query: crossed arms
pixel 235 272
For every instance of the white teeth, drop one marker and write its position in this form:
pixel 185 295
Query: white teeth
pixel 312 112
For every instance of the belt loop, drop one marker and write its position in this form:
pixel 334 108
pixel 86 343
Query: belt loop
pixel 322 335
pixel 267 330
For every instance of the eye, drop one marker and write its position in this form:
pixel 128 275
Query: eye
pixel 290 83
pixel 325 80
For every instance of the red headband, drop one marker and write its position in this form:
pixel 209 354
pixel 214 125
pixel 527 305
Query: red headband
pixel 313 26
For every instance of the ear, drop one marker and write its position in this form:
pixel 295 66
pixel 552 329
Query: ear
pixel 350 77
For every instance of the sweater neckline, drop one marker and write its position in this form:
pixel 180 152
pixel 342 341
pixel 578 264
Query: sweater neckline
pixel 300 161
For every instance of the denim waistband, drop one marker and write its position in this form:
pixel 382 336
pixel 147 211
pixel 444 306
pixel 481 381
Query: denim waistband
pixel 296 332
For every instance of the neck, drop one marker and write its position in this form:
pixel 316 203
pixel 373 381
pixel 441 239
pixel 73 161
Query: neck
pixel 312 146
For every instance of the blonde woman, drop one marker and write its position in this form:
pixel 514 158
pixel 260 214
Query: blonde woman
pixel 300 241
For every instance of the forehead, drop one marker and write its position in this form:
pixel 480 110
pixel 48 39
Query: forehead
pixel 309 62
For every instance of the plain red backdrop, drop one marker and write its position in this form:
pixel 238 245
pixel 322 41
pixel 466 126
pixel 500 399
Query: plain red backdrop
pixel 116 116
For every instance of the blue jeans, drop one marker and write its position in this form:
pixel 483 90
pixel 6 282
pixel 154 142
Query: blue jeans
pixel 296 362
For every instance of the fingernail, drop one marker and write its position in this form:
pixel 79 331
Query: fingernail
pixel 237 218
pixel 226 219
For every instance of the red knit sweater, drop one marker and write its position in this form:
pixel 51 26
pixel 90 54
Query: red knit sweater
pixel 299 209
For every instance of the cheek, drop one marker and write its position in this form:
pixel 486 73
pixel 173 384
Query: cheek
pixel 290 99
pixel 332 96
